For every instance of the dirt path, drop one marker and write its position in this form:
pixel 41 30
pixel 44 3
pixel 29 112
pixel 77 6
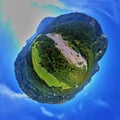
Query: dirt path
pixel 67 51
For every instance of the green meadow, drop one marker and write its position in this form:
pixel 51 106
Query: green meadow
pixel 50 80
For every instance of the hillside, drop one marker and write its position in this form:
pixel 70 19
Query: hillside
pixel 61 59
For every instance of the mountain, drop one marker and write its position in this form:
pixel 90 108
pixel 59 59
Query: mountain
pixel 61 59
pixel 44 23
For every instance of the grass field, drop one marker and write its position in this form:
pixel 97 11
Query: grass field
pixel 42 73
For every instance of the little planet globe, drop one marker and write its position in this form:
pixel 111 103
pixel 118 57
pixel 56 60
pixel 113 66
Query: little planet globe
pixel 61 59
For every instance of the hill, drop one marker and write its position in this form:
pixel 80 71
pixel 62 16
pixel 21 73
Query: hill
pixel 61 59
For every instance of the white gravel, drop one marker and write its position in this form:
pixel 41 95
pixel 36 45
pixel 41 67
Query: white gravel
pixel 70 54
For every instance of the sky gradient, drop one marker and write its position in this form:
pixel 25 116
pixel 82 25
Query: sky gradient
pixel 99 100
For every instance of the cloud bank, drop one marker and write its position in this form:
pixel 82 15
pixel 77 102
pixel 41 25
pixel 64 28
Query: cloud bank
pixel 25 15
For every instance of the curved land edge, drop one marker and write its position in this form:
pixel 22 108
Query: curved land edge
pixel 92 49
pixel 73 75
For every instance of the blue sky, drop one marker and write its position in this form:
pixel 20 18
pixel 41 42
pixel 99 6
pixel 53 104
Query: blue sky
pixel 99 100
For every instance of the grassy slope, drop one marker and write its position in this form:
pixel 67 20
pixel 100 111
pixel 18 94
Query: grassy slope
pixel 61 70
pixel 80 37
pixel 43 74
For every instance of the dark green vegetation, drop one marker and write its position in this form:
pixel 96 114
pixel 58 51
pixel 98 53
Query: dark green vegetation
pixel 48 52
pixel 60 73
pixel 45 74
pixel 83 38
pixel 39 58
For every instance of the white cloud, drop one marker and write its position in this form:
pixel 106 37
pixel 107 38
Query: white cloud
pixel 60 116
pixel 102 103
pixel 46 112
pixel 16 106
pixel 49 2
pixel 4 90
pixel 93 102
pixel 24 17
